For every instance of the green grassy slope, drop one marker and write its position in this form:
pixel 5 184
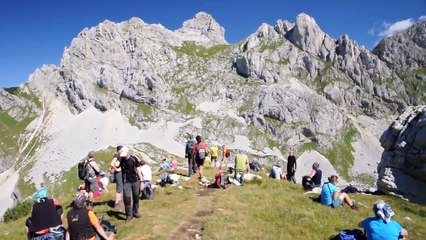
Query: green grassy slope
pixel 263 210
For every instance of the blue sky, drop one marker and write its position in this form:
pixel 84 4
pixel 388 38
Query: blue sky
pixel 33 33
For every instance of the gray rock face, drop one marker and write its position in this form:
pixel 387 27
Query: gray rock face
pixel 405 50
pixel 402 170
pixel 297 105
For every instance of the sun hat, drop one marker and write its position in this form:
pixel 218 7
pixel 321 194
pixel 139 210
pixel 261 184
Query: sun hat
pixel 40 194
pixel 383 210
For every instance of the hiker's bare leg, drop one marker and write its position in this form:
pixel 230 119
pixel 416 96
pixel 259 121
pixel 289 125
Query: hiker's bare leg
pixel 201 171
pixel 346 198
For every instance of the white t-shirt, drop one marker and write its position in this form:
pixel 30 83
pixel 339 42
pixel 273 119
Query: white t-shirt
pixel 104 181
pixel 146 173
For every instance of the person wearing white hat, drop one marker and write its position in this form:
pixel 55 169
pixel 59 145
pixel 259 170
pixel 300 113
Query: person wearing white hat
pixel 381 226
pixel 132 183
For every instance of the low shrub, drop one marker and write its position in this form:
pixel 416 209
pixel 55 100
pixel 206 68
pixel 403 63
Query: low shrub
pixel 19 210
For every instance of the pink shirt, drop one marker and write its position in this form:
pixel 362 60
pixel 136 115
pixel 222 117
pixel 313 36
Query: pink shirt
pixel 174 164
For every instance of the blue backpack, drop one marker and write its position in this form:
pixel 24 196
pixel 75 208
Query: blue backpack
pixel 350 234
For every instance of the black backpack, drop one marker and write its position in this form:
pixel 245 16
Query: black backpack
pixel 81 168
pixel 189 148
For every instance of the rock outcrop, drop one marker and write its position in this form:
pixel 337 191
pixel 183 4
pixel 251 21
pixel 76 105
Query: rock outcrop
pixel 402 170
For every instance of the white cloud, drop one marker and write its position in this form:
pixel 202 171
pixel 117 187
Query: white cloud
pixel 372 30
pixel 394 28
pixel 422 18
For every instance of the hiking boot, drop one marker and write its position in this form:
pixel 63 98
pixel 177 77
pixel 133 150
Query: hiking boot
pixel 137 215
pixel 354 207
pixel 128 219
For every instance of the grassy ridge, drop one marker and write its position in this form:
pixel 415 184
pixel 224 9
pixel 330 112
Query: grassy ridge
pixel 264 210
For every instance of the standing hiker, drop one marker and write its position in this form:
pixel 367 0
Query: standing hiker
pixel 214 154
pixel 132 183
pixel 118 178
pixel 241 166
pixel 199 153
pixel 226 153
pixel 92 171
pixel 291 167
pixel 189 148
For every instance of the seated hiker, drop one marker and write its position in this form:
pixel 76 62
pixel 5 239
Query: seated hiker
pixel 241 166
pixel 330 196
pixel 254 165
pixel 83 223
pixel 276 172
pixel 103 182
pixel 313 179
pixel 46 218
pixel 165 179
pixel 147 191
pixel 381 226
pixel 219 180
pixel 165 165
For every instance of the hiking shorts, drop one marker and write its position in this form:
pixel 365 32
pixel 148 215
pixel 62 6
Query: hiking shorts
pixel 90 185
pixel 118 182
pixel 336 203
pixel 199 162
pixel 214 158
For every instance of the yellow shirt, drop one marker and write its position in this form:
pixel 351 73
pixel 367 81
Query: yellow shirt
pixel 214 150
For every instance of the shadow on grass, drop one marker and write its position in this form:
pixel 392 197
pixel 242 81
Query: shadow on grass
pixel 116 214
pixel 109 203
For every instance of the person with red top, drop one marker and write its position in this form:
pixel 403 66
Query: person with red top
pixel 199 153
pixel 46 218
pixel 83 223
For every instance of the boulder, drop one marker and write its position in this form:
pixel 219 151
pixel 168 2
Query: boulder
pixel 402 170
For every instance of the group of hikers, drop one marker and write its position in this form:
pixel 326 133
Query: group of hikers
pixel 133 177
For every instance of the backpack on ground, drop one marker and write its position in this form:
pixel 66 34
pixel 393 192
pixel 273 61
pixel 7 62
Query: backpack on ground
pixel 350 234
pixel 189 148
pixel 81 168
pixel 201 152
pixel 227 153
pixel 107 226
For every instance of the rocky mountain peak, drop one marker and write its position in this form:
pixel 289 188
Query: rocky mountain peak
pixel 405 50
pixel 203 28
pixel 283 26
pixel 307 35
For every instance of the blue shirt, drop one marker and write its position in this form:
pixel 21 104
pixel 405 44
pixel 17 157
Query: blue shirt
pixel 377 229
pixel 327 192
pixel 165 165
